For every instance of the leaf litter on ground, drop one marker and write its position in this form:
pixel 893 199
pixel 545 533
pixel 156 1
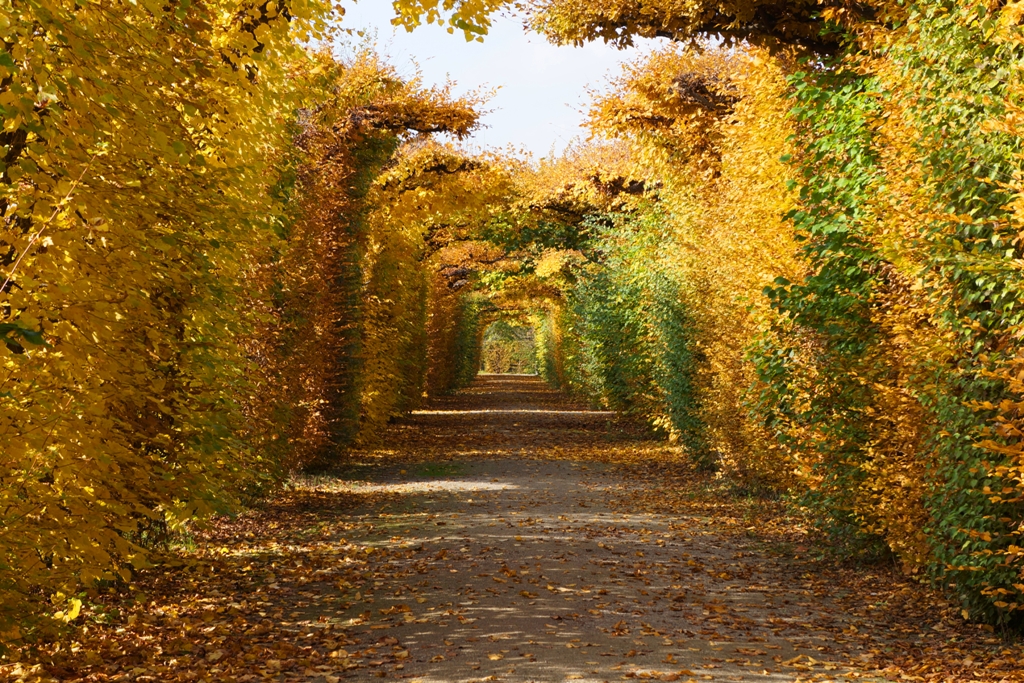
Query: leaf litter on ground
pixel 508 534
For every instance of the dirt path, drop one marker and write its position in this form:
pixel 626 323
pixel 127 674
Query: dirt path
pixel 506 534
pixel 523 570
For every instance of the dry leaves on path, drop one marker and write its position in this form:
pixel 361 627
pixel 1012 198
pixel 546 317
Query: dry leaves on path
pixel 508 535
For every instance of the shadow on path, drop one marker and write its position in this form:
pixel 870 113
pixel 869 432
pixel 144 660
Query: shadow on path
pixel 508 534
pixel 509 555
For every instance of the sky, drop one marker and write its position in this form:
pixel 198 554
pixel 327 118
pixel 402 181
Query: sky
pixel 542 88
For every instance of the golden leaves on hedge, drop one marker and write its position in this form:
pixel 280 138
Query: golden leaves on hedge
pixel 184 261
pixel 136 200
pixel 713 125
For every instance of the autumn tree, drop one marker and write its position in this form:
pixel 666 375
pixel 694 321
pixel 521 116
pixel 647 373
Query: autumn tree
pixel 353 286
pixel 136 191
pixel 871 194
pixel 775 24
pixel 181 312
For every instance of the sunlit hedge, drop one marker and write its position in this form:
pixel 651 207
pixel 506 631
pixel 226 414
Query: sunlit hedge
pixel 828 291
pixel 632 345
pixel 185 251
pixel 887 370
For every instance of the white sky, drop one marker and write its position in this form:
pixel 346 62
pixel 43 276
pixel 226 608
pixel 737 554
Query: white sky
pixel 542 94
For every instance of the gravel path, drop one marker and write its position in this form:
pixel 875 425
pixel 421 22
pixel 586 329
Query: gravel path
pixel 504 560
pixel 507 534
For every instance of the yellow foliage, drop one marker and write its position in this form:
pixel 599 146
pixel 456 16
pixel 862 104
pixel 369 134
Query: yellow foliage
pixel 356 277
pixel 184 271
pixel 431 198
pixel 713 126
pixel 137 205
pixel 769 23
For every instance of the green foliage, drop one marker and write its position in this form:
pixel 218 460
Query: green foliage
pixel 455 331
pixel 508 348
pixel 631 344
pixel 535 234
pixel 826 332
pixel 547 346
pixel 467 348
pixel 964 79
pixel 344 409
pixel 880 373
